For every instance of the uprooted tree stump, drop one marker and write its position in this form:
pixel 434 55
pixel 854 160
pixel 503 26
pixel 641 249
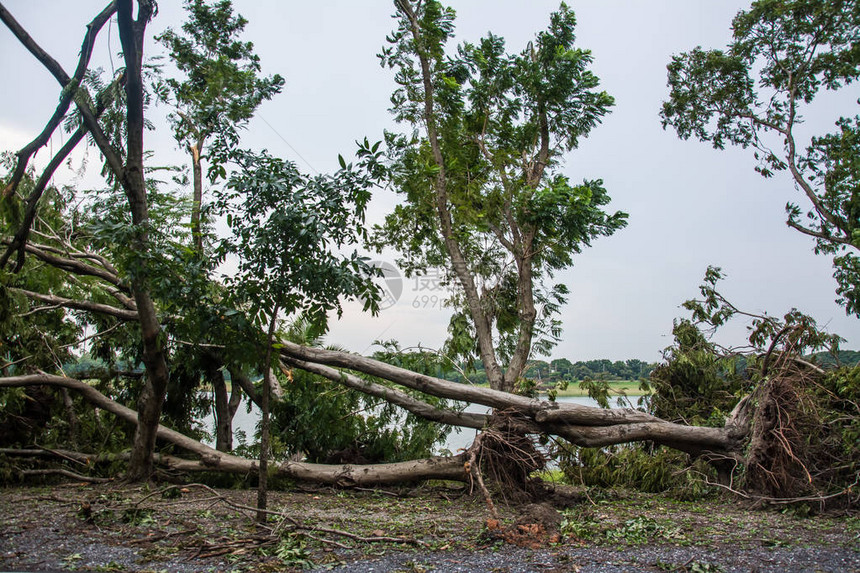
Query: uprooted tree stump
pixel 801 445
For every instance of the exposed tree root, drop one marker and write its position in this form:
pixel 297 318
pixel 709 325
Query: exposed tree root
pixel 795 453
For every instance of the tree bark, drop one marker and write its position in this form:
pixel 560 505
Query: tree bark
pixel 238 377
pixel 57 71
pixel 483 324
pixel 197 200
pixel 72 418
pixel 224 409
pixel 131 32
pixel 582 425
pixel 445 468
pixel 527 315
pixel 119 313
pixel 265 406
pixel 394 396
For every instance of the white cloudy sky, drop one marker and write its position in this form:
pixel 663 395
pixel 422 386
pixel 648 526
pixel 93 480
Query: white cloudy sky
pixel 689 206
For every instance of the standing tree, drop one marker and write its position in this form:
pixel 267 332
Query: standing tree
pixel 752 95
pixel 126 166
pixel 484 194
pixel 286 229
pixel 220 92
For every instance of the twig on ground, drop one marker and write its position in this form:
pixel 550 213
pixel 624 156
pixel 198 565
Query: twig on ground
pixel 375 490
pixel 66 473
pixel 292 521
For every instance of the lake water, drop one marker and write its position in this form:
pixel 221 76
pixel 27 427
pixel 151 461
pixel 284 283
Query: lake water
pixel 459 438
pixel 462 438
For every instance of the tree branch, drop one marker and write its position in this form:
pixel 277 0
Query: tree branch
pixel 402 399
pixel 119 313
pixel 71 265
pixel 481 321
pixel 23 232
pixel 57 71
pixel 818 234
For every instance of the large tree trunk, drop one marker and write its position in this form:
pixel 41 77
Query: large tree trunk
pixel 581 425
pixel 480 319
pixel 444 468
pixel 131 33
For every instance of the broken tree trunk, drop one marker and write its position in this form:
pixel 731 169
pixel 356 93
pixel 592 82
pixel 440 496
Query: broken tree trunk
pixel 210 459
pixel 581 425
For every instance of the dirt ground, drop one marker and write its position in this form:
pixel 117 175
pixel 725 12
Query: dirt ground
pixel 113 527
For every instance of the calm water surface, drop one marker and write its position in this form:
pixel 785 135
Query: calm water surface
pixel 459 438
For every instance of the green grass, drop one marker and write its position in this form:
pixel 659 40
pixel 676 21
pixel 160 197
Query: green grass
pixel 616 387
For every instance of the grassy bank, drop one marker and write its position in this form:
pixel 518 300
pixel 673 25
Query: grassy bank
pixel 616 388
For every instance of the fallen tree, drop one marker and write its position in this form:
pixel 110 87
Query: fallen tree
pixel 781 442
pixel 582 425
pixel 210 459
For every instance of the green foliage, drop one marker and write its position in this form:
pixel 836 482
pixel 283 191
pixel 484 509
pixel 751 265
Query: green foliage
pixel 221 89
pixel 834 434
pixel 292 553
pixel 697 384
pixel 700 383
pixel 752 95
pixel 138 516
pixel 640 530
pixel 796 330
pixel 644 468
pixel 329 424
pixel 326 422
pixel 690 567
pixel 180 283
pixel 286 230
pixel 32 335
pixel 634 531
pixel 573 525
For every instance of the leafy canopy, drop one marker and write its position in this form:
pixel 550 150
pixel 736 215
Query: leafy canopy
pixel 287 231
pixel 484 178
pixel 222 87
pixel 752 94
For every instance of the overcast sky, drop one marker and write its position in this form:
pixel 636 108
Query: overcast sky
pixel 689 205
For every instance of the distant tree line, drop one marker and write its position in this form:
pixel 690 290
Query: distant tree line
pixel 549 373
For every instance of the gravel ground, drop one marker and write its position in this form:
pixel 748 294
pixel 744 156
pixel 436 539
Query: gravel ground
pixel 608 560
pixel 123 528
